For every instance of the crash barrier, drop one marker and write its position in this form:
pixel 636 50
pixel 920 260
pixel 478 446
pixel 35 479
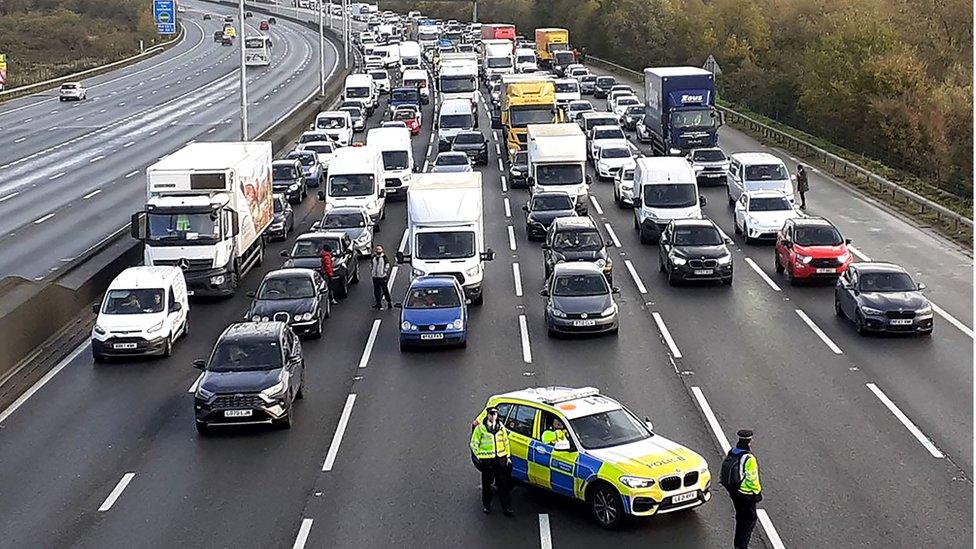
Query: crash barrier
pixel 916 202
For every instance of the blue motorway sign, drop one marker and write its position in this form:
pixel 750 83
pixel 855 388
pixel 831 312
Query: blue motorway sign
pixel 164 13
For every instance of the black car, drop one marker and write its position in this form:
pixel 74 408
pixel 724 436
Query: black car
pixel 474 145
pixel 226 40
pixel 518 170
pixel 272 21
pixel 218 36
pixel 229 19
pixel 576 239
pixel 694 249
pixel 254 375
pixel 287 178
pixel 881 297
pixel 297 297
pixel 588 84
pixel 248 15
pixel 307 254
pixel 579 300
pixel 207 17
pixel 543 208
pixel 283 221
pixel 632 116
pixel 602 86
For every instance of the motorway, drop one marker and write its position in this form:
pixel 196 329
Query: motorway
pixel 861 441
pixel 67 166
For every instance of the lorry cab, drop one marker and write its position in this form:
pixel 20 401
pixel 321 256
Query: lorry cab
pixel 337 125
pixel 356 179
pixel 758 171
pixel 396 156
pixel 665 188
pixel 458 79
pixel 144 310
pixel 455 116
pixel 497 57
pixel 417 78
pixel 361 87
pixel 680 110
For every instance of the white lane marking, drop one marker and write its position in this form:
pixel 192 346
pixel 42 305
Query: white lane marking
pixel 303 531
pixel 952 320
pixel 771 532
pixel 517 274
pixel 545 536
pixel 504 184
pixel 91 194
pixel 762 274
pixel 723 441
pixel 9 196
pixel 613 235
pixel 596 205
pixel 154 132
pixel 426 163
pixel 508 208
pixel 40 220
pixel 524 332
pixel 820 333
pixel 55 176
pixel 912 428
pixel 96 159
pixel 495 133
pixel 666 334
pixel 211 130
pixel 860 255
pixel 130 174
pixel 500 167
pixel 403 241
pixel 369 343
pixel 20 139
pixel 129 144
pixel 498 149
pixel 340 430
pixel 52 128
pixel 511 238
pixel 392 279
pixel 116 492
pixel 196 383
pixel 42 382
pixel 633 274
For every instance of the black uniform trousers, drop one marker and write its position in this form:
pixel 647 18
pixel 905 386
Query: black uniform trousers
pixel 497 470
pixel 745 519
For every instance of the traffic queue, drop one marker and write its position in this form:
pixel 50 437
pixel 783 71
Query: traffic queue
pixel 213 206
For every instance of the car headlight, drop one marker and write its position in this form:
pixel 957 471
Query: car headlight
pixel 155 328
pixel 516 172
pixel 751 219
pixel 99 330
pixel 844 257
pixel 609 310
pixel 256 318
pixel 627 186
pixel 293 187
pixel 677 260
pixel 473 271
pixel 204 394
pixel 275 391
pixel 457 324
pixel 636 482
pixel 871 310
pixel 406 326
pixel 304 316
pixel 725 259
pixel 557 313
pixel 601 263
pixel 363 238
pixel 804 258
pixel 417 272
pixel 927 310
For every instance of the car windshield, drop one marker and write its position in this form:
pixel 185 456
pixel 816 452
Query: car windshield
pixel 886 282
pixel 580 285
pixel 308 137
pixel 182 226
pixel 708 155
pixel 458 84
pixel 445 245
pixel 442 297
pixel 570 174
pixel 609 133
pixel 588 79
pixel 330 123
pixel 697 118
pixel 605 81
pixel 635 109
pixel 817 236
pixel 567 87
pixel 615 152
pixel 549 203
pixel 521 158
pixel 307 159
pixel 627 175
pixel 236 356
pixel 524 116
pixel 354 112
pixel 577 240
pixel 469 138
pixel 313 247
pixel 133 302
pixel 351 185
pixel 357 92
pixel 395 160
pixel 69 86
pixel 606 429
pixel 379 75
pixel 697 236
pixel 499 62
pixel 765 172
pixel 295 287
pixel 279 204
pixel 343 221
pixel 670 195
pixel 409 95
pixel 770 204
pixel 457 121
pixel 600 121
pixel 564 57
pixel 625 101
pixel 451 160
pixel 580 107
pixel 526 59
pixel 284 172
pixel 404 114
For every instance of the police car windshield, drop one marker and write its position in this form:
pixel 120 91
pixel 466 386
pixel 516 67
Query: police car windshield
pixel 432 298
pixel 606 429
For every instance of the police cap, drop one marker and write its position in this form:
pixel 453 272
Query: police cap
pixel 744 434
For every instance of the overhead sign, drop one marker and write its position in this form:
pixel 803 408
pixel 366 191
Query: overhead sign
pixel 164 13
pixel 3 70
pixel 711 65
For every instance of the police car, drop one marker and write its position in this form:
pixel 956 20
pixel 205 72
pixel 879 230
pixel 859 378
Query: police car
pixel 609 458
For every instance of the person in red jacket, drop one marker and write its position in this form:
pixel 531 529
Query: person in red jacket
pixel 328 269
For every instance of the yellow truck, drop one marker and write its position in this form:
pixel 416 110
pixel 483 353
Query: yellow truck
pixel 547 42
pixel 525 99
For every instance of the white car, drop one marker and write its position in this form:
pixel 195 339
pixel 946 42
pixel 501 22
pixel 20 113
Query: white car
pixel 324 150
pixel 710 165
pixel 372 62
pixel 621 104
pixel 759 215
pixel 613 96
pixel 623 188
pixel 573 108
pixel 381 79
pixel 72 91
pixel 577 73
pixel 601 136
pixel 451 162
pixel 611 159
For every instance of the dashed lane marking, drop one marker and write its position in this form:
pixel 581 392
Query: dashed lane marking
pixel 762 274
pixel 364 360
pixel 633 274
pixel 517 275
pixel 912 428
pixel 820 333
pixel 666 334
pixel 524 333
pixel 116 492
pixel 340 431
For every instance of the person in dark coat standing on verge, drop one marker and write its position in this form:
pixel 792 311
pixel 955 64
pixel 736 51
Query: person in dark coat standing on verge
pixel 802 185
pixel 380 271
pixel 748 493
pixel 582 55
pixel 328 270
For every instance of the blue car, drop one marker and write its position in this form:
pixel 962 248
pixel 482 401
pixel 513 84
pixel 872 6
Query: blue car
pixel 434 312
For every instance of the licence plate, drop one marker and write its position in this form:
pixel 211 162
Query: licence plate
pixel 189 292
pixel 584 323
pixel 431 336
pixel 901 321
pixel 680 498
pixel 124 346
pixel 238 413
pixel 701 272
pixel 825 270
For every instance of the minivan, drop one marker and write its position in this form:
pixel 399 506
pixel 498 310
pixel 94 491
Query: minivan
pixel 337 124
pixel 143 312
pixel 361 87
pixel 757 171
pixel 396 156
pixel 665 188
pixel 455 116
pixel 355 179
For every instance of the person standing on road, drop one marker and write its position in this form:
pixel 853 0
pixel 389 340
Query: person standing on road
pixel 802 185
pixel 489 444
pixel 328 270
pixel 582 55
pixel 380 270
pixel 740 476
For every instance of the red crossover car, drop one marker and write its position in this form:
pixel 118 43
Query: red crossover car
pixel 809 248
pixel 409 117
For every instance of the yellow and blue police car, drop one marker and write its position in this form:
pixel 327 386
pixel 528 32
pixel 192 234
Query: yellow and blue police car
pixel 605 455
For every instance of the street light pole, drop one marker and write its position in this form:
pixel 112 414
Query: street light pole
pixel 240 38
pixel 345 31
pixel 321 6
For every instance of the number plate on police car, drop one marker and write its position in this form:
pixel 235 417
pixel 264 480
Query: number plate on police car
pixel 124 346
pixel 703 272
pixel 238 413
pixel 680 498
pixel 826 270
pixel 431 336
pixel 901 321
pixel 584 322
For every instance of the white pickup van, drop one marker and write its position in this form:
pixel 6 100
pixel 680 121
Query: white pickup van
pixel 356 179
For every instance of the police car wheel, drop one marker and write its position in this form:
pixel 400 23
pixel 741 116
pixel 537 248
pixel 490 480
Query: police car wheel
pixel 605 506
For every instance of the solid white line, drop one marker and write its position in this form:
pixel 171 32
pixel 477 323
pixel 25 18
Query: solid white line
pixel 154 132
pixel 820 333
pixel 508 208
pixel 55 176
pixel 116 492
pixel 762 274
pixel 130 174
pixel 340 430
pixel 912 428
pixel 392 279
pixel 613 235
pixel 952 320
pixel 596 205
pixel 403 241
pixel 511 238
pixel 211 130
pixel 96 159
pixel 303 531
pixel 667 334
pixel 9 196
pixel 860 255
pixel 43 219
pixel 723 441
pixel 545 536
pixel 504 184
pixel 633 274
pixel 196 383
pixel 426 163
pixel 524 331
pixel 20 139
pixel 91 194
pixel 771 533
pixel 500 167
pixel 369 343
pixel 42 382
pixel 517 273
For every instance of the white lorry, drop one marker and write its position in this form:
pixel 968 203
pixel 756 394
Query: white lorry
pixel 457 76
pixel 498 57
pixel 557 161
pixel 445 220
pixel 208 206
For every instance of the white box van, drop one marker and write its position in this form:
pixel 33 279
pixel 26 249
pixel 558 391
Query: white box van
pixel 396 155
pixel 455 115
pixel 145 310
pixel 665 188
pixel 757 171
pixel 356 179
pixel 409 55
pixel 362 88
pixel 418 78
pixel 337 124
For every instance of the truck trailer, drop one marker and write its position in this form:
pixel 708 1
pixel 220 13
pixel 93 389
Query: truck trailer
pixel 679 110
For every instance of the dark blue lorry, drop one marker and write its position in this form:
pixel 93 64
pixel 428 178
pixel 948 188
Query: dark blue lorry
pixel 679 112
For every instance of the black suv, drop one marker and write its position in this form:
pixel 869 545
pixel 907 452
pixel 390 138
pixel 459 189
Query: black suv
pixel 576 239
pixel 287 178
pixel 603 85
pixel 694 249
pixel 307 254
pixel 543 208
pixel 473 144
pixel 297 297
pixel 255 373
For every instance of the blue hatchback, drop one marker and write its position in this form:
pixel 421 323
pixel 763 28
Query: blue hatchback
pixel 434 312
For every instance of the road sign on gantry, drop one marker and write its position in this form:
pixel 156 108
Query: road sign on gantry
pixel 164 13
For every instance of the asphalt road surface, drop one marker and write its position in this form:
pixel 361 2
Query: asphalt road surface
pixel 839 467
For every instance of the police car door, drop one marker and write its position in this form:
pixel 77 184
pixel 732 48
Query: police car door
pixel 521 426
pixel 561 464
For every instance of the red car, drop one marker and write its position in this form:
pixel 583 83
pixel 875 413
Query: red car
pixel 811 248
pixel 410 118
pixel 264 26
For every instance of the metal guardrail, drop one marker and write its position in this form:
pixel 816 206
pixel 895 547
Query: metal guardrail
pixel 838 164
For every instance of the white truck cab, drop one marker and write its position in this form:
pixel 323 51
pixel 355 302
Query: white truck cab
pixel 396 156
pixel 356 179
pixel 337 124
pixel 557 161
pixel 665 188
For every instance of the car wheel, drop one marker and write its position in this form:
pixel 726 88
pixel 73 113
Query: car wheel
pixel 480 300
pixel 404 347
pixel 99 358
pixel 605 506
pixel 203 428
pixel 343 290
pixel 644 239
pixel 745 233
pixel 672 281
pixel 283 423
pixel 859 324
pixel 328 309
pixel 317 334
pixel 778 265
pixel 727 281
pixel 729 194
pixel 789 276
pixel 300 395
pixel 168 347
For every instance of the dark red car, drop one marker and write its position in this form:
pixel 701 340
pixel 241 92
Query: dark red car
pixel 810 248
pixel 264 26
pixel 410 117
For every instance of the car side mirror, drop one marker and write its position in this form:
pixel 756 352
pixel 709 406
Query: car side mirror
pixel 525 208
pixel 561 445
pixel 847 241
pixel 315 226
pixel 647 422
pixel 728 241
pixel 400 258
pixel 284 253
pixel 701 200
pixel 544 293
pixel 488 255
pixel 177 307
pixel 921 286
pixel 251 294
pixel 200 364
pixel 96 307
pixel 398 305
pixel 382 193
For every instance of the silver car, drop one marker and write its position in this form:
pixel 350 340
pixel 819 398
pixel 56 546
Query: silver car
pixel 354 222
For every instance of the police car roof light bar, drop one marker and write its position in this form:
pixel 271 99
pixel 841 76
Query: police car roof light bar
pixel 571 395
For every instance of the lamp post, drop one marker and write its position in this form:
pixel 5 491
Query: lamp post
pixel 321 6
pixel 240 38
